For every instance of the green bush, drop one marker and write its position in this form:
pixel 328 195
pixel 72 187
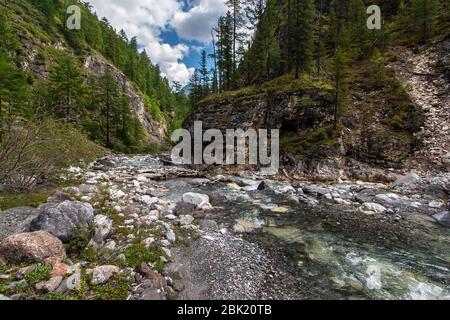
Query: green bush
pixel 31 152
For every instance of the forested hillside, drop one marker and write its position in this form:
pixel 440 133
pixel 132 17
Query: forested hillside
pixel 92 83
pixel 43 74
pixel 316 71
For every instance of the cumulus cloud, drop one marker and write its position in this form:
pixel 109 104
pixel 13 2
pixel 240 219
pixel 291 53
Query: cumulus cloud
pixel 197 22
pixel 146 19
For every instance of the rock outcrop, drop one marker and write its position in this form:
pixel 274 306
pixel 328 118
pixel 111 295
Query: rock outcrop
pixel 156 131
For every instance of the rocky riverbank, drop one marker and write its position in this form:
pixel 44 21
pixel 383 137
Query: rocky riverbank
pixel 137 229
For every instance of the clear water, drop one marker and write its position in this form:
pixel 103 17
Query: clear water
pixel 339 267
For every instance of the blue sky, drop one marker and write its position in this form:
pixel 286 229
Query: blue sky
pixel 172 31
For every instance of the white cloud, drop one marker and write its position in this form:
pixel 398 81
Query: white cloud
pixel 196 23
pixel 146 19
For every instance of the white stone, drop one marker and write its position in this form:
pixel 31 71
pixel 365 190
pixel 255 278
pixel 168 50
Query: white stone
pixel 102 228
pixel 373 207
pixel 199 200
pixel 102 274
pixel 149 200
pixel 436 204
pixel 186 220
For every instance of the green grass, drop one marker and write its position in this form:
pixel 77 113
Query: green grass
pixel 285 84
pixel 40 273
pixel 116 289
pixel 137 253
pixel 32 199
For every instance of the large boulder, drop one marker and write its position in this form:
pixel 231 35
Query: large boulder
pixel 16 220
pixel 406 180
pixel 201 201
pixel 32 247
pixel 65 220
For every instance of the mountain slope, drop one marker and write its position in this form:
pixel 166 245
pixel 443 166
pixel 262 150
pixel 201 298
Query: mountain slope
pixel 97 49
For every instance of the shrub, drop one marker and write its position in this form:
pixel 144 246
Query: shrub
pixel 31 152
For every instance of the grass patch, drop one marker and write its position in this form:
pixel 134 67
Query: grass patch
pixel 31 199
pixel 116 289
pixel 285 84
pixel 137 253
pixel 40 273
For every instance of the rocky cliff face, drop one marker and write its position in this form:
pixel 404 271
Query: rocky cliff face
pixel 364 146
pixel 156 131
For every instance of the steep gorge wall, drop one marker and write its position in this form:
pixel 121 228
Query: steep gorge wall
pixel 363 147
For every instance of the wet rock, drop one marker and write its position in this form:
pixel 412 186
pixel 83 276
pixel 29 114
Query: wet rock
pixel 247 225
pixel 315 190
pixel 32 247
pixel 385 199
pixel 436 190
pixel 102 228
pixel 102 274
pixel 199 182
pixel 64 220
pixel 16 220
pixel 262 186
pixel 365 195
pixel 443 218
pixel 201 201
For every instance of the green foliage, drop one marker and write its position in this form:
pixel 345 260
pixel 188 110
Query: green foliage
pixel 311 143
pixel 137 253
pixel 115 289
pixel 80 241
pixel 424 16
pixel 40 273
pixel 31 151
pixel 32 199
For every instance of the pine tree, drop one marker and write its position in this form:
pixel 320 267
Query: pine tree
pixel 66 88
pixel 13 92
pixel 237 17
pixel 195 88
pixel 424 16
pixel 109 92
pixel 204 74
pixel 225 52
pixel 301 34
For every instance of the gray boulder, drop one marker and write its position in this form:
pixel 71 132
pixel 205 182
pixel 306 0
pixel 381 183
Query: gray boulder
pixel 65 220
pixel 16 221
pixel 406 180
pixel 443 218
